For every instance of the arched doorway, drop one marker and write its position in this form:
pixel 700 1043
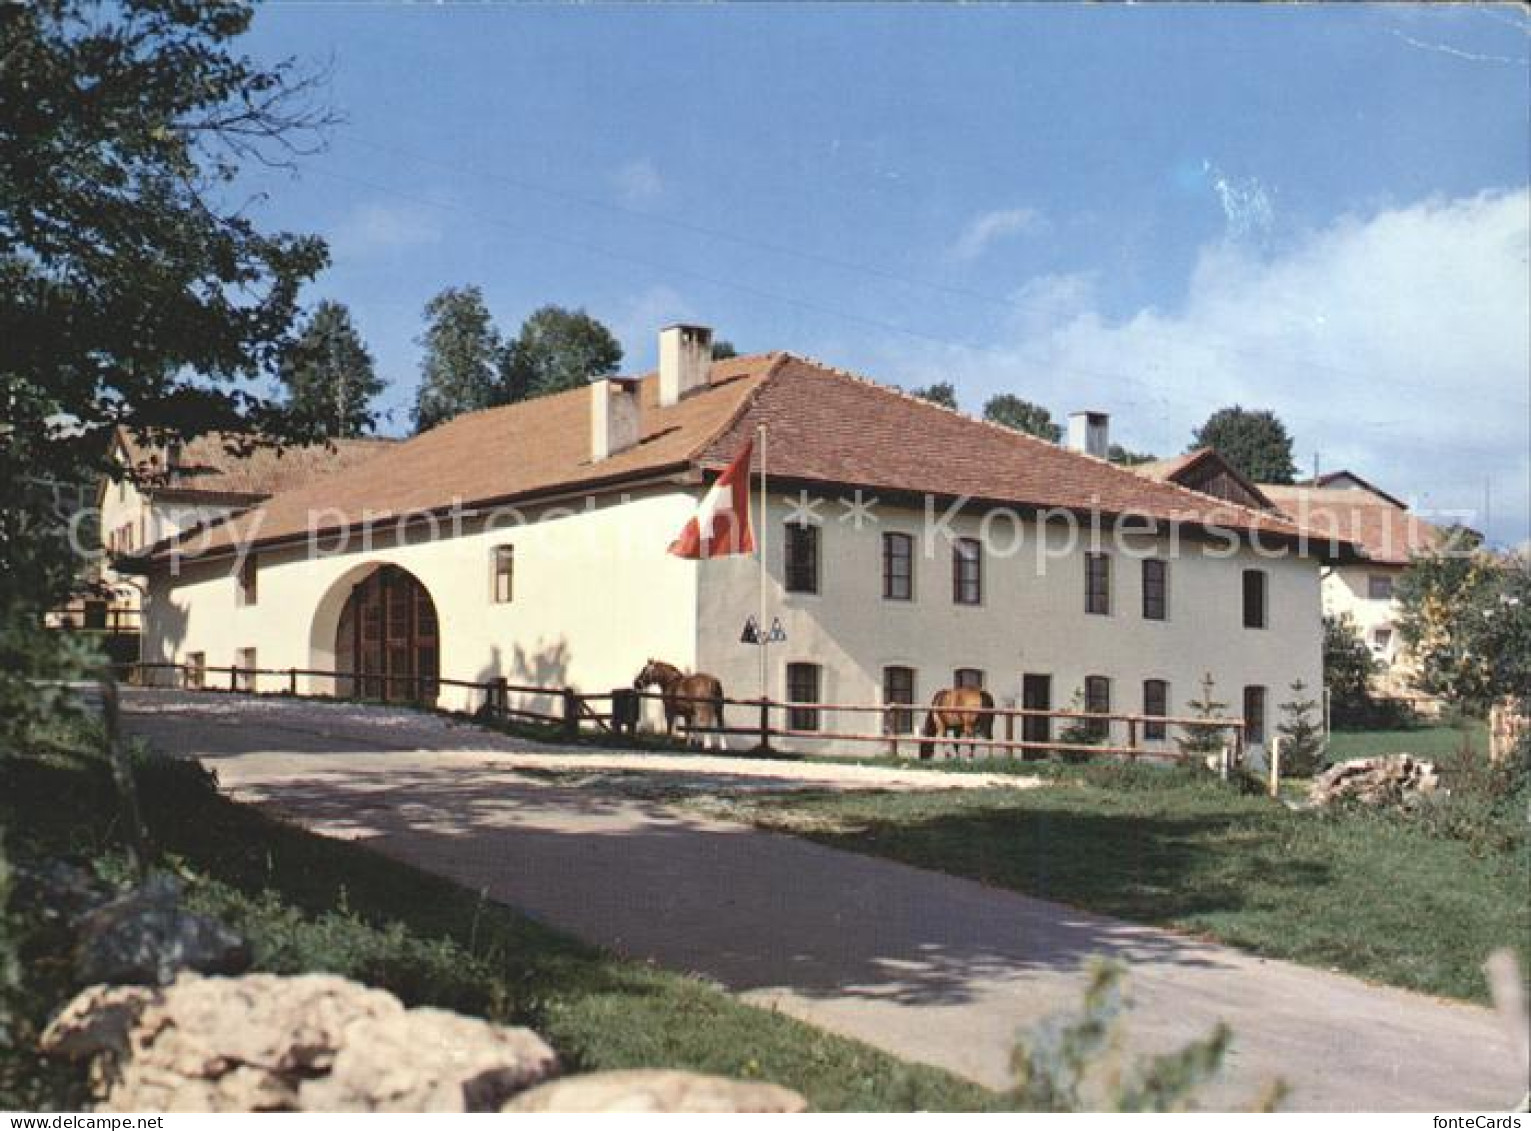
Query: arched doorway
pixel 389 636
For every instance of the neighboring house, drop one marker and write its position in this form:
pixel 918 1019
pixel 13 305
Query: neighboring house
pixel 909 547
pixel 1347 506
pixel 1206 470
pixel 186 486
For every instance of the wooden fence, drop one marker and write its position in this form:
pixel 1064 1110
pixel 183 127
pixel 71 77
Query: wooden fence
pixel 619 711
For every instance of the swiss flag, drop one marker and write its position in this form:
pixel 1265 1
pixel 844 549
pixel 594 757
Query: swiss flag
pixel 721 524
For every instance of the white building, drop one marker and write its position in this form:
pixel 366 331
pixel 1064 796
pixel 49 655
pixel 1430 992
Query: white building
pixel 909 548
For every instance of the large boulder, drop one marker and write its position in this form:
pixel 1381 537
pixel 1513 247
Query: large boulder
pixel 656 1090
pixel 267 1042
pixel 430 1060
pixel 1392 779
pixel 146 937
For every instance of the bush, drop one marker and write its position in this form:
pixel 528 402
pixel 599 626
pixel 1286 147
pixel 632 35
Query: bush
pixel 1485 805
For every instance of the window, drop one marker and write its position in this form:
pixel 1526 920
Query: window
pixel 898 567
pixel 1156 698
pixel 1254 598
pixel 248 591
pixel 503 575
pixel 1036 695
pixel 1254 714
pixel 1097 584
pixel 1155 589
pixel 802 558
pixel 967 677
pixel 1381 638
pixel 1097 701
pixel 803 687
pixel 898 687
pixel 196 669
pixel 244 678
pixel 967 571
pixel 1379 586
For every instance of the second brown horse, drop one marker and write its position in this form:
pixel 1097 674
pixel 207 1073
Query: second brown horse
pixel 957 713
pixel 696 698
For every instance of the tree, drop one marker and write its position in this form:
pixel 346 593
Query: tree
pixel 1200 742
pixel 1023 416
pixel 1466 620
pixel 134 290
pixel 556 349
pixel 1348 671
pixel 461 349
pixel 1253 440
pixel 1303 751
pixel 723 349
pixel 329 374
pixel 943 393
pixel 1128 458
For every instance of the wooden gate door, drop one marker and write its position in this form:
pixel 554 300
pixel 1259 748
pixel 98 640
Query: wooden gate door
pixel 396 646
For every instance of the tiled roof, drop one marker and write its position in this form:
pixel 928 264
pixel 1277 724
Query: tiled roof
pixel 206 466
pixel 1204 469
pixel 825 426
pixel 1165 470
pixel 1387 532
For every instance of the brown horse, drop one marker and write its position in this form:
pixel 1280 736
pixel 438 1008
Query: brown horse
pixel 697 698
pixel 955 713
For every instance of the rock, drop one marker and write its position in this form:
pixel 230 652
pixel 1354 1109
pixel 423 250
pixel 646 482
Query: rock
pixel 1393 779
pixel 146 937
pixel 268 1042
pixel 59 889
pixel 430 1060
pixel 656 1090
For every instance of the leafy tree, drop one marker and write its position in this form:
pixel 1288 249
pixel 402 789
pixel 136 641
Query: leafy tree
pixel 1023 416
pixel 943 393
pixel 1128 458
pixel 1466 619
pixel 556 349
pixel 329 374
pixel 1303 751
pixel 461 349
pixel 1200 742
pixel 723 349
pixel 132 291
pixel 1253 440
pixel 1348 671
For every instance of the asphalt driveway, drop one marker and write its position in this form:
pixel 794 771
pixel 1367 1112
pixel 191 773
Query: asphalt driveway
pixel 929 967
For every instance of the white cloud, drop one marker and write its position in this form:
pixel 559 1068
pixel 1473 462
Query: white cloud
pixel 1247 207
pixel 638 320
pixel 1395 343
pixel 984 230
pixel 374 227
pixel 638 182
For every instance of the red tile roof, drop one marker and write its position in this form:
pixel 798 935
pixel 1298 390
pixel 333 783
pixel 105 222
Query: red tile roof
pixel 825 426
pixel 207 467
pixel 1386 531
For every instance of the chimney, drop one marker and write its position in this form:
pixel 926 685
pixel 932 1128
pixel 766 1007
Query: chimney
pixel 1090 433
pixel 615 419
pixel 685 357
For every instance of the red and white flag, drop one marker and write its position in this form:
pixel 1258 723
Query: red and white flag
pixel 721 524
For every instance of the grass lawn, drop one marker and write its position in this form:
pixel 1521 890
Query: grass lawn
pixel 310 903
pixel 1433 741
pixel 1372 895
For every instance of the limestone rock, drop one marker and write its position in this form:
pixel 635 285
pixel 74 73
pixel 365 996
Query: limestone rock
pixel 656 1090
pixel 430 1060
pixel 97 1022
pixel 1392 779
pixel 146 937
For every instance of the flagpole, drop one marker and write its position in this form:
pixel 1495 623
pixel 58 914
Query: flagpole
pixel 761 539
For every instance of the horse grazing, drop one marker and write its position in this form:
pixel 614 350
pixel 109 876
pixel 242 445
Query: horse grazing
pixel 955 713
pixel 697 698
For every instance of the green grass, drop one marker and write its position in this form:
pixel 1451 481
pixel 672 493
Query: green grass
pixel 1432 741
pixel 310 903
pixel 1374 895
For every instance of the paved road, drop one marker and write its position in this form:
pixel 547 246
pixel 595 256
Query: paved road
pixel 929 967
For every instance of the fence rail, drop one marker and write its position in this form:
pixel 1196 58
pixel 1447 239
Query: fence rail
pixel 772 719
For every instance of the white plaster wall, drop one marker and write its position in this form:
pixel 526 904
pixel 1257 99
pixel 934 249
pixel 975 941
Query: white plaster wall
pixel 595 595
pixel 1345 590
pixel 1032 620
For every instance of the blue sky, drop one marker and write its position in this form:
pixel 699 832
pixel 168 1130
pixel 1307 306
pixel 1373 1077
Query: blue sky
pixel 1149 210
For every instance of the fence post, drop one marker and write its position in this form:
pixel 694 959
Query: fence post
pixel 292 682
pixel 765 724
pixel 499 696
pixel 1275 767
pixel 1132 738
pixel 570 713
pixel 1010 751
pixel 234 677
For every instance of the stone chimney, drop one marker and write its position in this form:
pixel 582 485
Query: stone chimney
pixel 685 358
pixel 616 421
pixel 1090 433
